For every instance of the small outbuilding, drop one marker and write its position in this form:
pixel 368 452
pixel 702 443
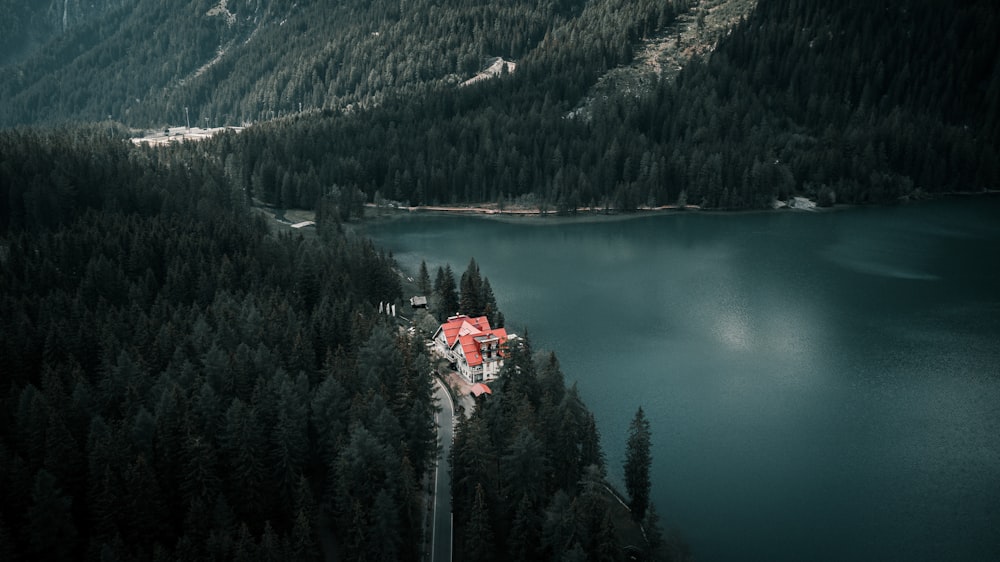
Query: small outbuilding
pixel 480 389
pixel 418 302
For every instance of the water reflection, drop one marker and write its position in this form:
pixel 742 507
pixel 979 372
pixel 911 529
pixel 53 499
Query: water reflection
pixel 819 386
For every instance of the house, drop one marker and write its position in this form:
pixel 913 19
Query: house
pixel 418 302
pixel 474 347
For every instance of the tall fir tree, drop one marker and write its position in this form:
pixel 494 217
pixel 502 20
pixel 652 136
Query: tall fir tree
pixel 50 530
pixel 479 531
pixel 424 279
pixel 638 460
pixel 490 308
pixel 447 293
pixel 470 300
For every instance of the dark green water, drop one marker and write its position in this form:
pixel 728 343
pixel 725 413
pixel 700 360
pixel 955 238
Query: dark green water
pixel 821 386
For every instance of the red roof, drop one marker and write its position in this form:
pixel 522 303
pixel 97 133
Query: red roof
pixel 479 389
pixel 471 333
pixel 471 344
pixel 454 327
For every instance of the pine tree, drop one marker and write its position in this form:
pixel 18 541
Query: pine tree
pixel 654 535
pixel 303 544
pixel 638 460
pixel 590 445
pixel 447 293
pixel 606 547
pixel 378 364
pixel 328 419
pixel 385 536
pixel 524 468
pixel 423 279
pixel 479 531
pixel 490 308
pixel 50 531
pixel 559 526
pixel 470 300
pixel 245 449
pixel 270 545
pixel 524 540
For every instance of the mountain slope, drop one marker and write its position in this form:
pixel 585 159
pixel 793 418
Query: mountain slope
pixel 856 101
pixel 246 60
pixel 853 102
pixel 697 30
pixel 27 25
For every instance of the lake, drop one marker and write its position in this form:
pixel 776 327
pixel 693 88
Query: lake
pixel 820 386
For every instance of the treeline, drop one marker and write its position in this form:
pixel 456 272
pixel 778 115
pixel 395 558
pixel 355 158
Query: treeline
pixel 472 297
pixel 848 102
pixel 528 476
pixel 178 383
pixel 845 102
pixel 495 139
pixel 854 102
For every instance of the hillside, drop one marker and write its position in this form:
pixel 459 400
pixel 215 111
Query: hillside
pixel 27 25
pixel 234 61
pixel 662 55
pixel 853 102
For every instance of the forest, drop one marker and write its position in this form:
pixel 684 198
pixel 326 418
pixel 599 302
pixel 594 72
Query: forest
pixel 180 383
pixel 848 102
pixel 824 100
pixel 183 382
pixel 529 477
pixel 180 380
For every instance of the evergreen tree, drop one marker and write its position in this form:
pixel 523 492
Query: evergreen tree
pixel 590 445
pixel 638 460
pixel 446 292
pixel 478 543
pixel 606 547
pixel 385 529
pixel 328 418
pixel 246 449
pixel 51 532
pixel 424 279
pixel 490 308
pixel 654 535
pixel 470 300
pixel 524 468
pixel 378 366
pixel 559 526
pixel 524 541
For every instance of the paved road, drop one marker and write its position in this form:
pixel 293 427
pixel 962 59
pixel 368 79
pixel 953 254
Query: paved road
pixel 441 534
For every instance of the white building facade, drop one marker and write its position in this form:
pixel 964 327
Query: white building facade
pixel 474 347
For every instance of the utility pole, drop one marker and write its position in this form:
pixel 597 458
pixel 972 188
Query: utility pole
pixel 187 118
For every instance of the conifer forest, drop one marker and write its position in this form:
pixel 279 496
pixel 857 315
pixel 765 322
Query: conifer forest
pixel 180 379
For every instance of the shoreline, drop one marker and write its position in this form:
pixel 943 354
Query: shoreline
pixel 590 214
pixel 582 214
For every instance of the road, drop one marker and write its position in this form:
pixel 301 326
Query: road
pixel 441 533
